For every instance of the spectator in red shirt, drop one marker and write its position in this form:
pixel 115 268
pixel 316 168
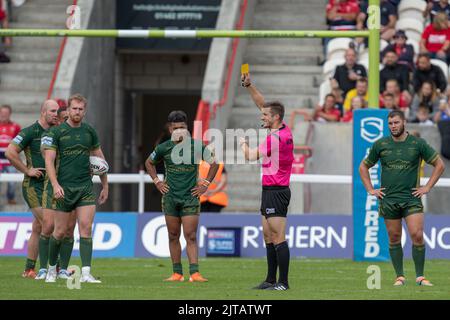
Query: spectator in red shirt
pixel 341 15
pixel 328 112
pixel 389 102
pixel 357 103
pixel 5 25
pixel 401 99
pixel 8 130
pixel 436 38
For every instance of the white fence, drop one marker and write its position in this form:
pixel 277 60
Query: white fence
pixel 142 178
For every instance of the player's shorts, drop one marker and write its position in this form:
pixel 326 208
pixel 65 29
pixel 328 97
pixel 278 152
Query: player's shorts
pixel 275 201
pixel 391 209
pixel 32 192
pixel 74 197
pixel 180 207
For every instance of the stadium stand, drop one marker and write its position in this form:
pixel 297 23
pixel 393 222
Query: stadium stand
pixel 34 57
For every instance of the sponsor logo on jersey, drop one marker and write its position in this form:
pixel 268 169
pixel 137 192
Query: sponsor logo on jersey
pixel 18 139
pixel 47 141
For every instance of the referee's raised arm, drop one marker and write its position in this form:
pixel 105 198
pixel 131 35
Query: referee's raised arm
pixel 257 97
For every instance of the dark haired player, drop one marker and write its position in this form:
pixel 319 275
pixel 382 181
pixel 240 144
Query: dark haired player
pixel 181 191
pixel 401 155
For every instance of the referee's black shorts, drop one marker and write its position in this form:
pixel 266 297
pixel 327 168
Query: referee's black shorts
pixel 275 201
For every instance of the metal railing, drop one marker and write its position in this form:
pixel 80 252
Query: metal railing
pixel 142 178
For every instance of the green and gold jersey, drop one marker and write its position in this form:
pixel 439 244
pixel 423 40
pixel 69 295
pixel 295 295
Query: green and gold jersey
pixel 72 146
pixel 181 162
pixel 29 140
pixel 400 164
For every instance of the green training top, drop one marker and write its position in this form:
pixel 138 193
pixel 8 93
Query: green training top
pixel 72 146
pixel 29 140
pixel 400 164
pixel 181 162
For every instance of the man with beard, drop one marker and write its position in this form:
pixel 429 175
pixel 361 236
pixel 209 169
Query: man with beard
pixel 400 194
pixel 71 144
pixel 29 141
pixel 181 190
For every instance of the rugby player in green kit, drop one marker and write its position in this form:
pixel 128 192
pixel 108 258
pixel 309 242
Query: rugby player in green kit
pixel 29 141
pixel 181 191
pixel 400 155
pixel 67 150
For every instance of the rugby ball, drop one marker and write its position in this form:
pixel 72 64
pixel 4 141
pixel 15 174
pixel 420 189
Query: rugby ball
pixel 98 165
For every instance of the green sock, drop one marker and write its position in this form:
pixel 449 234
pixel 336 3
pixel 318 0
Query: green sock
pixel 178 268
pixel 86 251
pixel 54 246
pixel 43 251
pixel 418 255
pixel 396 253
pixel 30 264
pixel 65 252
pixel 193 268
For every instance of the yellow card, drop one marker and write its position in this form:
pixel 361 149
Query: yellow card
pixel 245 68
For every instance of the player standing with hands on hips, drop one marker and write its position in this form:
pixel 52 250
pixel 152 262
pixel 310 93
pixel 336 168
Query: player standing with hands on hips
pixel 181 190
pixel 401 155
pixel 277 154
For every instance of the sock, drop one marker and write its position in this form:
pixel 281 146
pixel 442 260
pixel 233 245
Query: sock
pixel 65 252
pixel 396 253
pixel 272 263
pixel 43 251
pixel 177 268
pixel 85 271
pixel 30 264
pixel 193 268
pixel 418 255
pixel 53 250
pixel 283 257
pixel 86 251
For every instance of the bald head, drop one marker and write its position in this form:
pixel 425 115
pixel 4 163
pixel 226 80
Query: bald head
pixel 49 113
pixel 48 104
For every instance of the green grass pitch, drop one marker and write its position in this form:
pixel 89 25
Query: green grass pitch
pixel 229 278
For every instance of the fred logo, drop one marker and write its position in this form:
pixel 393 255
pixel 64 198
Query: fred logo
pixel 270 210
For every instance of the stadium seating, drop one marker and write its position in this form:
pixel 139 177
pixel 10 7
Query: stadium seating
pixel 336 48
pixel 325 88
pixel 412 28
pixel 441 64
pixel 415 45
pixel 412 9
pixel 330 66
pixel 365 63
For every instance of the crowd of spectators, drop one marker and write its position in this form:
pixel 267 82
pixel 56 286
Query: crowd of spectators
pixel 5 42
pixel 411 80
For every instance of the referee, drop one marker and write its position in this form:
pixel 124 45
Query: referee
pixel 277 154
